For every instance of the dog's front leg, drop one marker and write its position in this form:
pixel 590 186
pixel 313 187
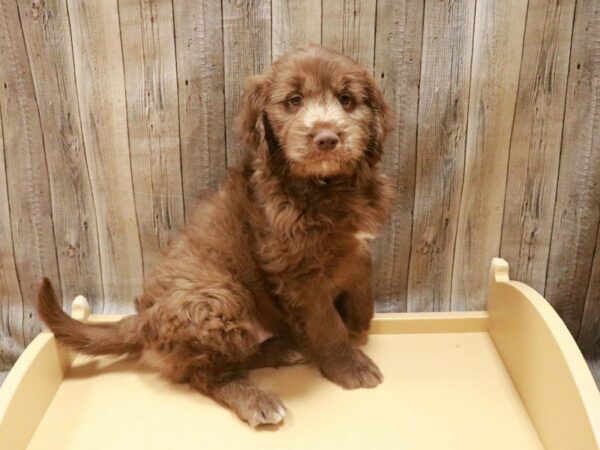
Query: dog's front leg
pixel 355 304
pixel 330 346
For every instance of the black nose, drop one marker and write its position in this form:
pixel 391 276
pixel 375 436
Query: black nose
pixel 326 140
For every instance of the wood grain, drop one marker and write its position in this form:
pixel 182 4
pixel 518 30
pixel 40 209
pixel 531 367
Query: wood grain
pixel 397 70
pixel 295 24
pixel 498 41
pixel 12 340
pixel 444 99
pixel 101 92
pixel 148 42
pixel 594 365
pixel 349 27
pixel 48 40
pixel 577 211
pixel 201 91
pixel 246 51
pixel 26 174
pixel 536 141
pixel 589 333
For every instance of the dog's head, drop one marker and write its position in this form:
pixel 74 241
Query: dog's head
pixel 320 109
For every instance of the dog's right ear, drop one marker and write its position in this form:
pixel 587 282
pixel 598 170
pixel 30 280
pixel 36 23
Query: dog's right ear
pixel 249 123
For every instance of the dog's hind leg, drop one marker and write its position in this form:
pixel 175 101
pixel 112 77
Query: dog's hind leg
pixel 204 337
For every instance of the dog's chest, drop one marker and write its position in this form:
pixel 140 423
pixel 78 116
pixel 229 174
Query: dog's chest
pixel 314 232
pixel 314 248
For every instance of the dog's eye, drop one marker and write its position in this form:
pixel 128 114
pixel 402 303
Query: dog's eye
pixel 295 100
pixel 345 100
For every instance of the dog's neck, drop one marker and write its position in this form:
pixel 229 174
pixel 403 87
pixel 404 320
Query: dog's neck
pixel 355 202
pixel 308 188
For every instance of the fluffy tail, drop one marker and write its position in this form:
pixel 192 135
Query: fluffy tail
pixel 115 338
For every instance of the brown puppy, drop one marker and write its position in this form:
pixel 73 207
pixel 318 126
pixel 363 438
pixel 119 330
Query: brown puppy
pixel 257 276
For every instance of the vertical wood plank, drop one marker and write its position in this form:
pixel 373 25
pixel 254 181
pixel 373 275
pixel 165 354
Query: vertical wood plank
pixel 295 24
pixel 349 27
pixel 577 211
pixel 11 308
pixel 247 51
pixel 199 51
pixel 444 98
pixel 48 40
pixel 3 377
pixel 535 143
pixel 397 69
pixel 589 333
pixel 148 42
pixel 594 365
pixel 101 92
pixel 26 172
pixel 497 46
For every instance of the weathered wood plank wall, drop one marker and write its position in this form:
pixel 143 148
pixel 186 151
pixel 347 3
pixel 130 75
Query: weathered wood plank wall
pixel 497 45
pixel 572 276
pixel 115 118
pixel 441 136
pixel 99 72
pixel 398 68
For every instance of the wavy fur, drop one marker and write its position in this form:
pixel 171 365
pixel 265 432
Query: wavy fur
pixel 274 267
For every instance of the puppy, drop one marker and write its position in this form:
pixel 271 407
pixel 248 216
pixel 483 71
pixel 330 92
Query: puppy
pixel 274 267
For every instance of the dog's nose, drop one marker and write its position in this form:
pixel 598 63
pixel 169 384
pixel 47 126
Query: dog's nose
pixel 326 140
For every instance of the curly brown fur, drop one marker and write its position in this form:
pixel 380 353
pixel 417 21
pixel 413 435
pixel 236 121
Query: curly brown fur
pixel 257 276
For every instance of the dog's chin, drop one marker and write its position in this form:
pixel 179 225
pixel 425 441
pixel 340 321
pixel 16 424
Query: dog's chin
pixel 314 163
pixel 321 168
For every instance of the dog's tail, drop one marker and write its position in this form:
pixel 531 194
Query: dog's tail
pixel 115 338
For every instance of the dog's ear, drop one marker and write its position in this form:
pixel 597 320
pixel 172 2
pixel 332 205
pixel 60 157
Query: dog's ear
pixel 381 123
pixel 249 123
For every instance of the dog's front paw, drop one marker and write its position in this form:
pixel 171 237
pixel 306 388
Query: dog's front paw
pixel 264 408
pixel 351 369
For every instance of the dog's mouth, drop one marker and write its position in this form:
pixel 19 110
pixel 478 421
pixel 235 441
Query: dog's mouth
pixel 316 156
pixel 322 164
